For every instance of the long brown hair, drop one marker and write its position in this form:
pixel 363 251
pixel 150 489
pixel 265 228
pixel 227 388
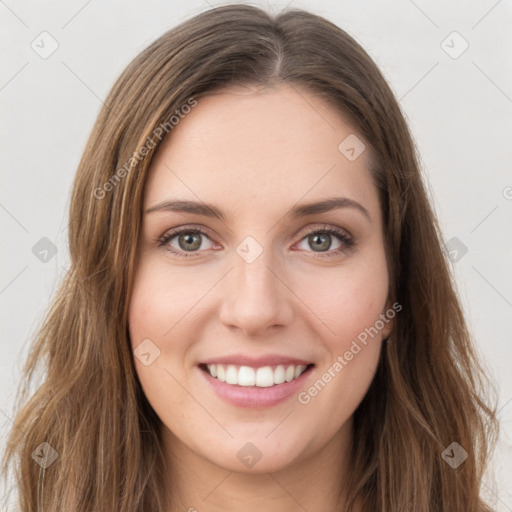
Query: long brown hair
pixel 90 410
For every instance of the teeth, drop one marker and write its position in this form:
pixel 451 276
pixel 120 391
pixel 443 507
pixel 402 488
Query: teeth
pixel 246 376
pixel 279 375
pixel 263 377
pixel 298 371
pixel 231 375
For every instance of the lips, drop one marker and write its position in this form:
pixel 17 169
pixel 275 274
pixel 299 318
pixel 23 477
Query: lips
pixel 257 362
pixel 261 381
pixel 256 396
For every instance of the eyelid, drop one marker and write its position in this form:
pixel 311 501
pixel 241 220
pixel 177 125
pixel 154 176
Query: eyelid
pixel 186 228
pixel 320 226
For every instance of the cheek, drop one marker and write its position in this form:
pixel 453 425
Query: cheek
pixel 347 299
pixel 166 307
pixel 163 302
pixel 345 304
pixel 161 311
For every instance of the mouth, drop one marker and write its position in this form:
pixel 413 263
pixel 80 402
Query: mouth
pixel 255 377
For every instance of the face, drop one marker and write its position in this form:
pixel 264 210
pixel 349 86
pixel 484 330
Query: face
pixel 261 285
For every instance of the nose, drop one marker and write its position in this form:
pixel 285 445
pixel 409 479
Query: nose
pixel 255 296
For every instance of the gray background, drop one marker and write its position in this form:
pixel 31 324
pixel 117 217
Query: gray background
pixel 458 104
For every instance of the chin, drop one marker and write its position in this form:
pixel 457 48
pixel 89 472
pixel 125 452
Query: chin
pixel 257 457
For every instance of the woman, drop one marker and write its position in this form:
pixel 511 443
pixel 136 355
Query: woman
pixel 258 310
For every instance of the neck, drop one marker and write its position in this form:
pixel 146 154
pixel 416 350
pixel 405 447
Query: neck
pixel 311 483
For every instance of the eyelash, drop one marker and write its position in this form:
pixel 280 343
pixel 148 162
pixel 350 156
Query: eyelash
pixel 348 242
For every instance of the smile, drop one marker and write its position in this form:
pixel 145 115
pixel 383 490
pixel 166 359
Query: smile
pixel 263 377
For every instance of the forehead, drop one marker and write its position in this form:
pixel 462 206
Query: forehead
pixel 264 147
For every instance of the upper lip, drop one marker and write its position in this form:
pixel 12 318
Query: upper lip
pixel 257 362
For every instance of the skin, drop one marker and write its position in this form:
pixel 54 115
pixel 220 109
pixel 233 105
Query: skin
pixel 255 153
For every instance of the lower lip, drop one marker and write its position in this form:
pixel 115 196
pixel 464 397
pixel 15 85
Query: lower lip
pixel 253 396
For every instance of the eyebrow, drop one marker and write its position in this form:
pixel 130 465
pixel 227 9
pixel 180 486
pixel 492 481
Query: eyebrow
pixel 298 211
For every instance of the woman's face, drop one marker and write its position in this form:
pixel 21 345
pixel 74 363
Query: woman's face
pixel 262 288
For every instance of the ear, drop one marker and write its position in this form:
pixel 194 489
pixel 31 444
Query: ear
pixel 388 318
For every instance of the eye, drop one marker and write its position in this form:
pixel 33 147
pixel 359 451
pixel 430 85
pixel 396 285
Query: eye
pixel 320 240
pixel 186 241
